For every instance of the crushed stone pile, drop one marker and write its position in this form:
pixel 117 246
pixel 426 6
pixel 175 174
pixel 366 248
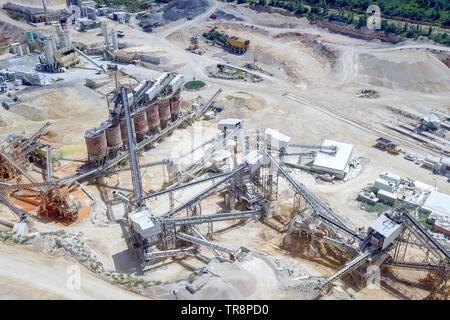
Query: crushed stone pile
pixel 179 9
pixel 220 14
pixel 418 71
pixel 256 276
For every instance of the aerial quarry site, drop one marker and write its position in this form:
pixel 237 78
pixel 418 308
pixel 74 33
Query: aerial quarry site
pixel 202 149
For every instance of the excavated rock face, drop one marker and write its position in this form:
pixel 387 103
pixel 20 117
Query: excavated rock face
pixel 10 31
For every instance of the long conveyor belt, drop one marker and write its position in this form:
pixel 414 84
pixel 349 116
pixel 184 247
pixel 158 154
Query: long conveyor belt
pixel 346 268
pixel 223 216
pixel 185 185
pixel 211 244
pixel 431 242
pixel 319 208
pixel 204 193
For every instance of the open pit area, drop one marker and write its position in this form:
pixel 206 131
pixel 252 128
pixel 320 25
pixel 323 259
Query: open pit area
pixel 114 208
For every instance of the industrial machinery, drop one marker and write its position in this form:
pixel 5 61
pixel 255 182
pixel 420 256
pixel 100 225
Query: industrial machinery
pixel 16 157
pixel 385 144
pixel 58 55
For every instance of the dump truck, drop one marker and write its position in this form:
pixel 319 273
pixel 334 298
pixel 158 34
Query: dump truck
pixel 388 145
pixel 236 45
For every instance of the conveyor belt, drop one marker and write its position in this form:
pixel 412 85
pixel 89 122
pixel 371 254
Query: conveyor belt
pixel 34 136
pixel 198 219
pixel 49 163
pixel 412 265
pixel 185 185
pixel 28 186
pixel 319 208
pixel 206 192
pixel 21 170
pixel 346 268
pixel 136 174
pixel 168 253
pixel 214 245
pixel 432 243
pixel 18 212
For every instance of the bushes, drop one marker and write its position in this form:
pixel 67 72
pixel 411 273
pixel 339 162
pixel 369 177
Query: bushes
pixel 213 35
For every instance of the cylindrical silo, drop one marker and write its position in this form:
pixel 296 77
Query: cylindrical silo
pixel 18 49
pixel 59 33
pixel 30 37
pixel 48 52
pixel 54 46
pixel 113 139
pixel 105 34
pixel 164 112
pixel 140 126
pixel 123 132
pixel 175 106
pixel 96 145
pixel 68 38
pixel 26 48
pixel 153 118
pixel 115 42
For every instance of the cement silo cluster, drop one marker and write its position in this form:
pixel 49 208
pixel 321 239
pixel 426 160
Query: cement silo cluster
pixel 154 105
pixel 59 52
pixel 111 42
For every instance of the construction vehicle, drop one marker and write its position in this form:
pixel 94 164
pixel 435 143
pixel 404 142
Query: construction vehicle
pixel 236 45
pixel 388 145
pixel 194 45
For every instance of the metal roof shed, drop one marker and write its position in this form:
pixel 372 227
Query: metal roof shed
pixel 438 203
pixel 334 163
pixel 387 228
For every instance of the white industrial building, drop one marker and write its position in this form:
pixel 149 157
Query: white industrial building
pixel 386 185
pixel 144 225
pixel 384 231
pixel 277 140
pixel 438 204
pixel 336 163
pixel 394 178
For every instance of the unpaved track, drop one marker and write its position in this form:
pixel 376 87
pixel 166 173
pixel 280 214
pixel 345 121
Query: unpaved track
pixel 358 124
pixel 25 274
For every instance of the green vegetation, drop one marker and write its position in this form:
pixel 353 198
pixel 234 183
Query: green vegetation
pixel 400 17
pixel 131 5
pixel 378 208
pixel 214 35
pixel 194 85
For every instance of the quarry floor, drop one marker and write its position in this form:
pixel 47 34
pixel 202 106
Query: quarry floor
pixel 291 49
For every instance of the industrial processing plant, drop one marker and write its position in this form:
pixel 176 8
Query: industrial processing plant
pixel 221 150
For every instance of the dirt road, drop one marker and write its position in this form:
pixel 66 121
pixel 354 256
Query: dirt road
pixel 25 274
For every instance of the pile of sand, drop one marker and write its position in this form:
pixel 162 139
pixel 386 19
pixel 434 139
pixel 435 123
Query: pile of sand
pixel 407 70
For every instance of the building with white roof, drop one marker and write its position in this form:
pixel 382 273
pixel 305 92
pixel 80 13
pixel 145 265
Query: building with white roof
pixel 276 139
pixel 438 204
pixel 144 225
pixel 336 163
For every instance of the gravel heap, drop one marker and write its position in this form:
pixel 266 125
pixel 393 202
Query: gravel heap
pixel 179 9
